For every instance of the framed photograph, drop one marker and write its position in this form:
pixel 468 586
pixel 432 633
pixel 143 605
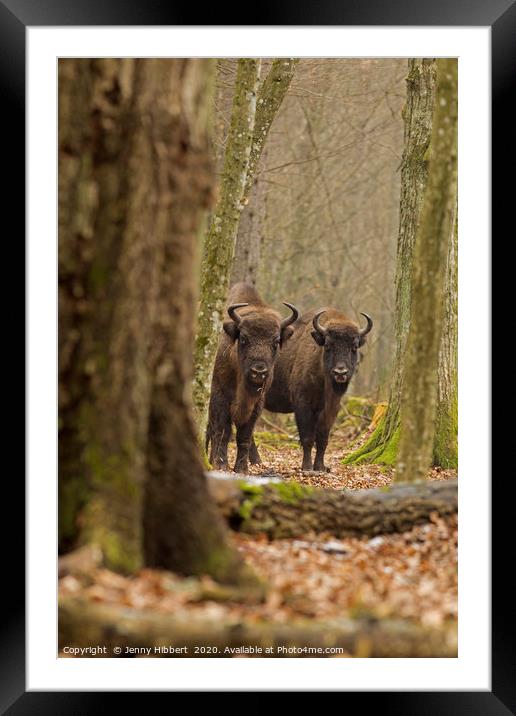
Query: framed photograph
pixel 259 410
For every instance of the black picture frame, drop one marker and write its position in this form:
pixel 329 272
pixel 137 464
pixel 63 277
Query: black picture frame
pixel 500 15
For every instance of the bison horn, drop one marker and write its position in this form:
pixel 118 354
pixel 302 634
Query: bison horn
pixel 292 318
pixel 232 311
pixel 320 329
pixel 366 330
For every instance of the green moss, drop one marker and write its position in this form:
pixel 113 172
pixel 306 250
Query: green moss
pixel 270 439
pixel 377 448
pixel 370 445
pixel 359 406
pixel 291 491
pixel 254 497
pixel 111 515
pixel 446 452
pixel 72 496
pixel 117 551
pixel 389 453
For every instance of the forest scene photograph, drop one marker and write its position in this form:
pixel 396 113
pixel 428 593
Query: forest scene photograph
pixel 257 357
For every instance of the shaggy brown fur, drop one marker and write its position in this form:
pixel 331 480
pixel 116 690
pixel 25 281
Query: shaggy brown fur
pixel 311 376
pixel 242 375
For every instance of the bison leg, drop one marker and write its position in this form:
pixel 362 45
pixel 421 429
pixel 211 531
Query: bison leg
pixel 244 438
pixel 321 443
pixel 254 455
pixel 219 430
pixel 306 428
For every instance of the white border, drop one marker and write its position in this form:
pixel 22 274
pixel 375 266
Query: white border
pixel 472 669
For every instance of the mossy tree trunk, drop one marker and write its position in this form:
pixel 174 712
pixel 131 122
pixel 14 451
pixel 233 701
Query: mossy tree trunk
pixel 77 206
pixel 382 446
pixel 84 622
pixel 136 179
pixel 446 423
pixel 435 231
pixel 252 114
pixel 102 439
pixel 246 262
pixel 287 509
pixel 219 244
pixel 183 530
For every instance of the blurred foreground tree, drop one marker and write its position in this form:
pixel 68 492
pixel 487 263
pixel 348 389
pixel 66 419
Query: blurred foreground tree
pixel 253 111
pixel 135 179
pixel 419 116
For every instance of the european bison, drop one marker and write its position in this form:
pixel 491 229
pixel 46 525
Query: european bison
pixel 244 364
pixel 313 373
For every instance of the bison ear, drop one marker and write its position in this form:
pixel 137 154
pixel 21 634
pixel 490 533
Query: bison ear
pixel 317 337
pixel 286 333
pixel 231 328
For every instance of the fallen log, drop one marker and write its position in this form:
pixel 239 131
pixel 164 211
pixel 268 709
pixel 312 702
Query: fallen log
pixel 288 509
pixel 84 625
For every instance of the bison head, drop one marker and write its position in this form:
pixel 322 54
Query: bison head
pixel 259 335
pixel 341 341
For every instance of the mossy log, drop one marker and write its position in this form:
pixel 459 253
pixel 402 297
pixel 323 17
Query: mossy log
pixel 288 509
pixel 84 624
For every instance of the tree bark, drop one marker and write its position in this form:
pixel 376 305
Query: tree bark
pixel 139 162
pixel 109 422
pixel 270 96
pixel 77 205
pixel 435 232
pixel 246 262
pixel 83 624
pixel 219 244
pixel 287 509
pixel 182 530
pixel 446 423
pixel 382 446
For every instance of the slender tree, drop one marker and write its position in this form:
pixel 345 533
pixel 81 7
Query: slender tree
pixel 382 446
pixel 435 231
pixel 136 178
pixel 252 114
pixel 248 248
pixel 219 244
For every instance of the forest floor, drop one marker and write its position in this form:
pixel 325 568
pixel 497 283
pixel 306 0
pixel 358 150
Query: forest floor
pixel 411 576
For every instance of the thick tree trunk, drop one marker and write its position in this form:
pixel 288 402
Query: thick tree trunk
pixel 435 232
pixel 287 509
pixel 136 179
pixel 83 624
pixel 115 302
pixel 382 446
pixel 77 205
pixel 446 423
pixel 219 244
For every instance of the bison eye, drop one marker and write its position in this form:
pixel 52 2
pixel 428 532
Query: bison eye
pixel 243 340
pixel 276 342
